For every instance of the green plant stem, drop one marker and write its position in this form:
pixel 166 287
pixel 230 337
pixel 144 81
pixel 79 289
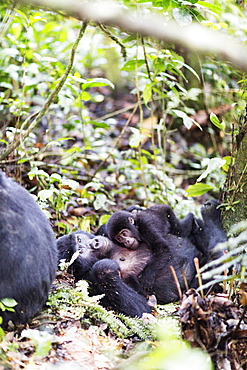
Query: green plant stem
pixel 38 115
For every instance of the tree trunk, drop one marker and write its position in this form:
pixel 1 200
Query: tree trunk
pixel 235 192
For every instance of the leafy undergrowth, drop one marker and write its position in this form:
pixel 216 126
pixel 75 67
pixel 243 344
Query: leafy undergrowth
pixel 75 332
pixel 74 329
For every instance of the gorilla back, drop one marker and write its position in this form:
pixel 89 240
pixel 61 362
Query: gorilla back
pixel 28 253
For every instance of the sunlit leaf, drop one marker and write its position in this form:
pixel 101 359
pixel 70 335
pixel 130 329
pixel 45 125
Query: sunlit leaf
pixel 136 137
pixel 45 194
pixel 213 164
pixel 187 121
pixel 215 8
pixel 147 93
pixel 95 82
pixel 215 120
pixel 133 64
pixel 197 190
pixel 9 302
pixel 100 201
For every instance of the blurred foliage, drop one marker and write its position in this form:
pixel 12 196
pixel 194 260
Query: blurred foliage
pixel 230 268
pixel 130 125
pixel 125 157
pixel 169 353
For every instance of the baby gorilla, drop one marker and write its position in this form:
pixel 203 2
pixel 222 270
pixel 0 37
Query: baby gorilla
pixel 28 253
pixel 171 242
pixel 106 279
pixel 90 256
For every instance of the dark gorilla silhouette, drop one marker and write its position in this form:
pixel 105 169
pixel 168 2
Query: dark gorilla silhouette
pixel 28 253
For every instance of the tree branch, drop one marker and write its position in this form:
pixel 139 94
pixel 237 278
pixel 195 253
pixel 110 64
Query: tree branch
pixel 112 13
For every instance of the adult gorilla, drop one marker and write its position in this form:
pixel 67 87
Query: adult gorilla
pixel 28 253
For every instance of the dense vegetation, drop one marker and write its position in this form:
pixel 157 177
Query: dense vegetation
pixel 94 118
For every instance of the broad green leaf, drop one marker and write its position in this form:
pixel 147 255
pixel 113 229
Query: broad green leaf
pixel 197 190
pixel 103 219
pixel 213 164
pixel 36 18
pixel 99 124
pixel 22 14
pixel 228 160
pixel 9 302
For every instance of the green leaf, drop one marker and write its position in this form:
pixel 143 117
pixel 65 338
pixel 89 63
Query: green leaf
pixel 99 124
pixel 147 93
pixel 9 302
pixel 17 29
pixel 55 177
pixel 100 201
pixel 103 219
pixel 45 194
pixel 136 138
pixel 133 64
pixel 198 189
pixel 213 164
pixel 215 8
pixel 95 82
pixel 187 121
pixel 215 120
pixel 182 16
pixel 35 172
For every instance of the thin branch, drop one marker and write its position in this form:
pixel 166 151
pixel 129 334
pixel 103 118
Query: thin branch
pixel 115 39
pixel 112 13
pixel 38 115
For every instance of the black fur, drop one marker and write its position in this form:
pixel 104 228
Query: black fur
pixel 28 253
pixel 144 269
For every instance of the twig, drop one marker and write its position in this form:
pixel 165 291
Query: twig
pixel 196 262
pixel 176 281
pixel 38 115
pixel 115 39
pixel 185 280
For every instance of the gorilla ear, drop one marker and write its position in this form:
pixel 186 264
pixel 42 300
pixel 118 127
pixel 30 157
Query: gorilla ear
pixel 131 220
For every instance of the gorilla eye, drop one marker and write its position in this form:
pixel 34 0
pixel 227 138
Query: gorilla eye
pixel 131 220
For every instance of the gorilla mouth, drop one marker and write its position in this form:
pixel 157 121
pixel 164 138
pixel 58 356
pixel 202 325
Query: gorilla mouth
pixel 133 245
